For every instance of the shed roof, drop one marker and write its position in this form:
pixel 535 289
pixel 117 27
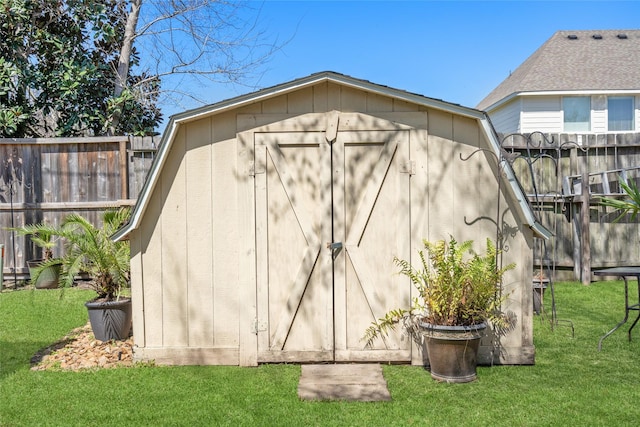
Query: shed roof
pixel 571 61
pixel 314 79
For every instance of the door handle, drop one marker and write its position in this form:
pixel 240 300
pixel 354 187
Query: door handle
pixel 335 247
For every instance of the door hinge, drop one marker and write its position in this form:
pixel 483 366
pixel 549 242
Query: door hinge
pixel 258 326
pixel 254 170
pixel 408 167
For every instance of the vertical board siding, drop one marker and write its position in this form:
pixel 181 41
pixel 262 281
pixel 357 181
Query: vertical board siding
pixel 199 239
pixel 174 244
pixel 441 180
pixel 320 98
pixel 246 260
pixel 137 292
pixel 334 96
pixel 274 105
pixel 379 103
pixel 352 100
pixel 226 297
pixel 300 101
pixel 150 281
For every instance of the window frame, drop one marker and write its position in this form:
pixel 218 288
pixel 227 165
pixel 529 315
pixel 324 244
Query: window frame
pixel 576 125
pixel 629 112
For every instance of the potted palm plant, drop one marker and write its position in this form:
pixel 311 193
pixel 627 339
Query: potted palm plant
pixel 41 236
pixel 90 250
pixel 458 293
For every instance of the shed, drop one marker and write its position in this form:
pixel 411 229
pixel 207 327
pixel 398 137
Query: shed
pixel 268 224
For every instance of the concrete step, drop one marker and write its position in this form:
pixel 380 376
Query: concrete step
pixel 361 382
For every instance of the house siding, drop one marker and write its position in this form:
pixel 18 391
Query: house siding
pixel 598 114
pixel 637 113
pixel 507 119
pixel 528 114
pixel 542 114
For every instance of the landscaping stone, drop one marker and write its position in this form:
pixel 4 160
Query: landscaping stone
pixel 80 350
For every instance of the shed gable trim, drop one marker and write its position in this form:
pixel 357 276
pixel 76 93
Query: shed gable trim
pixel 322 77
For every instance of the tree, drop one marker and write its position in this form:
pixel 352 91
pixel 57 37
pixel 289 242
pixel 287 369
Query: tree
pixel 57 69
pixel 193 41
pixel 74 67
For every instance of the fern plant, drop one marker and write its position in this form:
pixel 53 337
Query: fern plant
pixel 454 289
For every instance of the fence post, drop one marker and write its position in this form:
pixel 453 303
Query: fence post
pixel 585 236
pixel 1 266
pixel 124 181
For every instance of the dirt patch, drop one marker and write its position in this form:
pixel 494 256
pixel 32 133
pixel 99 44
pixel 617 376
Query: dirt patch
pixel 80 350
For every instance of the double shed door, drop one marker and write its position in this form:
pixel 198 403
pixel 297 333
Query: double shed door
pixel 332 211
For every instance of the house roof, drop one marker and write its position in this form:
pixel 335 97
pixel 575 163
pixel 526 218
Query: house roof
pixel 177 120
pixel 573 61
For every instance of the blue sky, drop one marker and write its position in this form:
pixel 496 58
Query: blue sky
pixel 457 51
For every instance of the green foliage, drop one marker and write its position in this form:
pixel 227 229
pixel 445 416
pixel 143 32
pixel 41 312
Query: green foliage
pixel 57 70
pixel 629 205
pixel 41 235
pixel 89 249
pixel 32 320
pixel 453 289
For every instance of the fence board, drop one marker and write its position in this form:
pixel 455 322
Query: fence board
pixel 44 179
pixel 552 158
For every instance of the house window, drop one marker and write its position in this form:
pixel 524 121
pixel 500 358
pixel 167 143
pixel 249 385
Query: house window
pixel 577 113
pixel 620 109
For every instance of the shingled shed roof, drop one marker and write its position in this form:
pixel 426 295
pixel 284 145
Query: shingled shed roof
pixel 177 120
pixel 571 61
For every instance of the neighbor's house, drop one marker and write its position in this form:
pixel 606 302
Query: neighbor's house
pixel 577 82
pixel 236 236
pixel 581 90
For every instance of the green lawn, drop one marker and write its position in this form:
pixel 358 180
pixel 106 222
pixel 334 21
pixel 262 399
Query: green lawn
pixel 572 384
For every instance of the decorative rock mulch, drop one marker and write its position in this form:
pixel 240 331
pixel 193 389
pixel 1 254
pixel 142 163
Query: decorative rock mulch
pixel 80 350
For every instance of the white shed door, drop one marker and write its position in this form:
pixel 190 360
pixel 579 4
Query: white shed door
pixel 315 303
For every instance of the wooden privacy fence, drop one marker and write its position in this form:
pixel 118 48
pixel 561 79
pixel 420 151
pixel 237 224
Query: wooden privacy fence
pixel 44 179
pixel 564 175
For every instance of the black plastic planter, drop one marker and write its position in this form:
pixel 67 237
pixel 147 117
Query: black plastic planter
pixel 110 320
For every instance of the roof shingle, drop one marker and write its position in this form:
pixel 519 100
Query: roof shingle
pixel 576 61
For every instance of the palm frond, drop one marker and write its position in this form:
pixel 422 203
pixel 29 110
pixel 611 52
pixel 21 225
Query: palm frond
pixel 89 249
pixel 629 205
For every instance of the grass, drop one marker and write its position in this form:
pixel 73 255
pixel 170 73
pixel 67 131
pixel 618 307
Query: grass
pixel 572 384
